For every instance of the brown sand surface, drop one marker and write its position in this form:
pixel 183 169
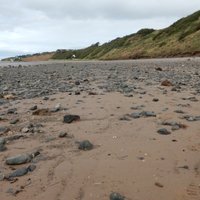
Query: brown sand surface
pixel 129 156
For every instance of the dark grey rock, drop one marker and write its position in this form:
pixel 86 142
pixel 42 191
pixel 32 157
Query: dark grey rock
pixel 70 118
pixel 19 172
pixel 163 131
pixel 116 196
pixel 85 145
pixel 21 158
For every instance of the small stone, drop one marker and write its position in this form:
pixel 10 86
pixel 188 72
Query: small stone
pixel 175 127
pixel 33 108
pixel 135 115
pixel 49 138
pixel 179 111
pixel 70 118
pixel 159 184
pixel 22 158
pixel 85 145
pixel 4 129
pixel 166 83
pixel 92 93
pixel 19 172
pixel 1 177
pixel 25 130
pixel 163 131
pixel 148 114
pixel 2 141
pixel 116 196
pixel 155 99
pixel 12 111
pixel 77 83
pixel 124 118
pixel 184 167
pixel 58 106
pixel 158 69
pixel 19 159
pixel 2 144
pixel 14 121
pixel 45 98
pixel 42 112
pixel 63 134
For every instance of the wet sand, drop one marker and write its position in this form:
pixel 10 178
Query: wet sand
pixel 129 155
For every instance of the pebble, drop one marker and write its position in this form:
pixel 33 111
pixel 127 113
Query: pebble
pixel 116 196
pixel 159 184
pixel 85 145
pixel 2 144
pixel 70 118
pixel 14 121
pixel 12 111
pixel 63 134
pixel 33 108
pixel 166 83
pixel 163 131
pixel 42 112
pixel 143 114
pixel 20 172
pixel 155 99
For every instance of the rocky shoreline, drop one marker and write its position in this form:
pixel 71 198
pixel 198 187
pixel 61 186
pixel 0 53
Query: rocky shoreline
pixel 100 130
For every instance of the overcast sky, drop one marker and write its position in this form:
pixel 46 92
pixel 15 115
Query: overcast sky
pixel 28 26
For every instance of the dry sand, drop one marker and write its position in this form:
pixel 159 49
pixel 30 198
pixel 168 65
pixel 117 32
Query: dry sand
pixel 129 156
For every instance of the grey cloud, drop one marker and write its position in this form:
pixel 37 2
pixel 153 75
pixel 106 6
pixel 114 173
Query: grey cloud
pixel 43 25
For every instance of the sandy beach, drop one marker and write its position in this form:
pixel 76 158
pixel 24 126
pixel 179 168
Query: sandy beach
pixel 142 119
